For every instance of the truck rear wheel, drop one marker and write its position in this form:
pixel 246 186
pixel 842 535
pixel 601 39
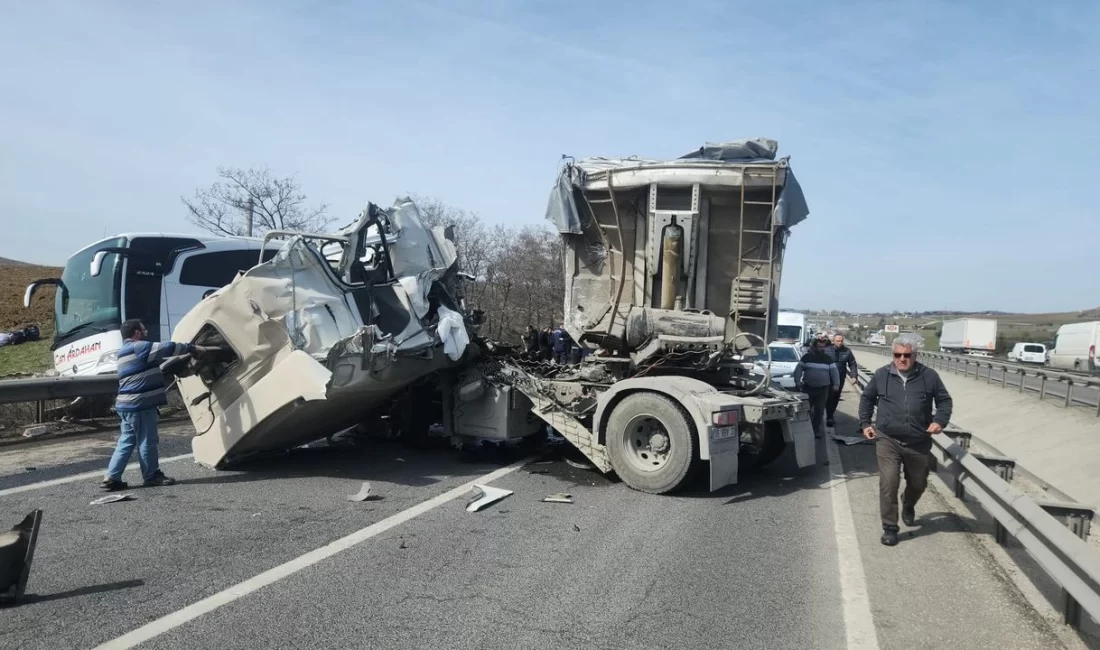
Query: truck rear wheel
pixel 651 443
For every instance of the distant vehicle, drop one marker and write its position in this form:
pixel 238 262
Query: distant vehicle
pixel 1028 353
pixel 876 338
pixel 792 328
pixel 1075 347
pixel 785 357
pixel 156 277
pixel 970 336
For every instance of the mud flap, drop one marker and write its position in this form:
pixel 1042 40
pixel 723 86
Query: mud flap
pixel 16 554
pixel 723 459
pixel 801 432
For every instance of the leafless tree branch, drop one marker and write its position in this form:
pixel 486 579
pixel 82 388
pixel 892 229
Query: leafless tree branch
pixel 277 204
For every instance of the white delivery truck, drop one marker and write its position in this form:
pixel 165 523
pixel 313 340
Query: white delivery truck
pixel 792 328
pixel 973 336
pixel 1075 347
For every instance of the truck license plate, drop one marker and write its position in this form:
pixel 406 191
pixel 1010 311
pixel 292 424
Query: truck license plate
pixel 721 433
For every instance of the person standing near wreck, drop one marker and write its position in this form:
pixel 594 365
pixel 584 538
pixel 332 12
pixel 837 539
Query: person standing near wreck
pixel 845 361
pixel 140 391
pixel 903 394
pixel 816 375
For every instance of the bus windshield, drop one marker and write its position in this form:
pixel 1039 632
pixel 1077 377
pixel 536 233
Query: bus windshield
pixel 87 303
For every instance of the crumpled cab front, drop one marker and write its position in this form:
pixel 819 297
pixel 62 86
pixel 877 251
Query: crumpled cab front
pixel 307 346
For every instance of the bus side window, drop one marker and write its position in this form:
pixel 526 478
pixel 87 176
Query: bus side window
pixel 216 269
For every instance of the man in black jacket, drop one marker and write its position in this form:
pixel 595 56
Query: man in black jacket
pixel 816 376
pixel 845 361
pixel 904 394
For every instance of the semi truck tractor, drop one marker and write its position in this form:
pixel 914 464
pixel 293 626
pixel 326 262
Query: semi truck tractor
pixel 672 272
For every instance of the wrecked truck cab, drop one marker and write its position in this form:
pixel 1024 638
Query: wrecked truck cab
pixel 308 343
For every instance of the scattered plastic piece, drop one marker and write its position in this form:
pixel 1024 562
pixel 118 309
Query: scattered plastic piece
pixel 34 432
pixel 578 465
pixel 851 440
pixel 16 554
pixel 489 496
pixel 111 498
pixel 560 497
pixel 364 494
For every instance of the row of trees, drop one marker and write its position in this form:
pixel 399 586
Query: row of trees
pixel 518 269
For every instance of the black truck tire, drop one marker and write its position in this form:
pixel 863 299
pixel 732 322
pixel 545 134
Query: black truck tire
pixel 651 443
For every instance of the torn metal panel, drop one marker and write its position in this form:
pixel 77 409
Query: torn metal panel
pixel 309 342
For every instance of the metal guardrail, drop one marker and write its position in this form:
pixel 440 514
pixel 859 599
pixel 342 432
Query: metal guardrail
pixel 40 389
pixel 999 372
pixel 1054 533
pixel 36 389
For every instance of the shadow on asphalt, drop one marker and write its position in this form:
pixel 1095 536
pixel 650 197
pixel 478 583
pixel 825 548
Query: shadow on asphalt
pixel 415 465
pixel 83 591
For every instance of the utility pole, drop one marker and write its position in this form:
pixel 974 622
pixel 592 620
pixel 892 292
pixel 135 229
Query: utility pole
pixel 249 222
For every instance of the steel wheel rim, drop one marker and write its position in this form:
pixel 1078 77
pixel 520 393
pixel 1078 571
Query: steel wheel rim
pixel 646 443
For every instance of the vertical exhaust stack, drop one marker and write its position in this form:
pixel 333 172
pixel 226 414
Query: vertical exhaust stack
pixel 672 244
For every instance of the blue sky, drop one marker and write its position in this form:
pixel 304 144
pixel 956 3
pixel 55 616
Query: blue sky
pixel 946 151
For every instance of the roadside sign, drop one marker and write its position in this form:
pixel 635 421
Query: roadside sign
pixel 891 329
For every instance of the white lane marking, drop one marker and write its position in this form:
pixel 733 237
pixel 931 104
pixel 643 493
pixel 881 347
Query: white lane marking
pixel 859 624
pixel 271 576
pixel 82 477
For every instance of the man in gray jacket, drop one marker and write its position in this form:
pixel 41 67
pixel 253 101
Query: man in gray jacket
pixel 903 393
pixel 816 375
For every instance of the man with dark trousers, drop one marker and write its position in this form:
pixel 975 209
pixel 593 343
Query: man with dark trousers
pixel 903 394
pixel 816 376
pixel 845 361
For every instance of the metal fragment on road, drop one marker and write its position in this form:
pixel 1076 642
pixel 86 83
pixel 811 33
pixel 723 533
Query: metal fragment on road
pixel 489 496
pixel 851 440
pixel 578 465
pixel 364 494
pixel 112 498
pixel 560 497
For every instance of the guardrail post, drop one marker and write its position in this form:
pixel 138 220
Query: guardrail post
pixel 1004 467
pixel 1098 402
pixel 989 377
pixel 1023 378
pixel 1078 519
pixel 1042 386
pixel 39 412
pixel 1069 392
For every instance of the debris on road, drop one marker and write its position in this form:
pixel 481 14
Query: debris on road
pixel 16 555
pixel 578 465
pixel 489 495
pixel 850 440
pixel 364 494
pixel 112 498
pixel 560 497
pixel 34 432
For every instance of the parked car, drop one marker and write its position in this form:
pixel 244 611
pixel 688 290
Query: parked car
pixel 785 357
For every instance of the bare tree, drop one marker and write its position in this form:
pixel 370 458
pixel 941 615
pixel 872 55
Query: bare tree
pixel 518 271
pixel 252 201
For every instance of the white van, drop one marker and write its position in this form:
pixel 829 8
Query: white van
pixel 1075 347
pixel 1029 353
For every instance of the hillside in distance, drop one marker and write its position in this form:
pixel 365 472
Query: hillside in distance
pixel 14 278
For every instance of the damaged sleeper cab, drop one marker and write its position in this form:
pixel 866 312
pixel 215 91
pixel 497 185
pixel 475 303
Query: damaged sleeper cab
pixel 329 328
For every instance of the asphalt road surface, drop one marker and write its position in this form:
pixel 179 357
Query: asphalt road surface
pixel 277 556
